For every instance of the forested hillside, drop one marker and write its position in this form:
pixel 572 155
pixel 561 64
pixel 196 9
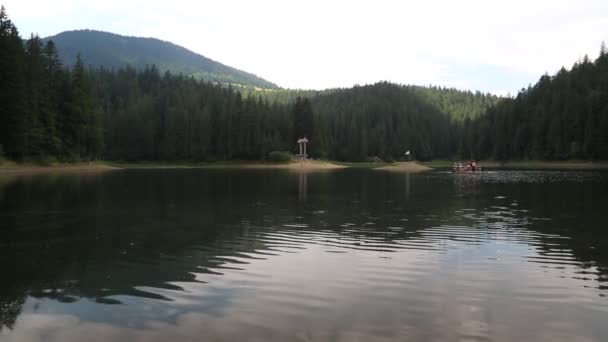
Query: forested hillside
pixel 459 104
pixel 381 120
pixel 109 50
pixel 73 113
pixel 386 120
pixel 147 116
pixel 564 116
pixel 53 111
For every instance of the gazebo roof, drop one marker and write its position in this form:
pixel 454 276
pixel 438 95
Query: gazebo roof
pixel 302 140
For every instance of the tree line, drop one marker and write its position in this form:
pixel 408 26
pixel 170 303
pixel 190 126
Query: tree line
pixel 69 113
pixel 45 109
pixel 52 111
pixel 564 116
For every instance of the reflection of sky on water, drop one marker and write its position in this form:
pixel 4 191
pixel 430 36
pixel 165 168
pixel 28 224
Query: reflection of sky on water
pixel 474 288
pixel 435 256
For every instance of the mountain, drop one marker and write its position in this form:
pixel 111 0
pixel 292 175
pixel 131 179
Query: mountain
pixel 111 50
pixel 48 112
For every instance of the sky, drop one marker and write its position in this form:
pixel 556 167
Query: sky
pixel 486 45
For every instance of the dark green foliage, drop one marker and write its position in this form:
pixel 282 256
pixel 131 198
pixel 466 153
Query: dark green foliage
pixel 80 127
pixel 356 123
pixel 147 116
pixel 460 105
pixel 280 156
pixel 561 117
pixel 303 119
pixel 13 120
pixel 48 110
pixel 115 51
pixel 383 120
pixel 284 96
pixel 53 78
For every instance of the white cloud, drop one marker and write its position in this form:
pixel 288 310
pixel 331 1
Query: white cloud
pixel 318 44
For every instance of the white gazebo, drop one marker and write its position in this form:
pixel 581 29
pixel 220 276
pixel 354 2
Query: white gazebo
pixel 302 144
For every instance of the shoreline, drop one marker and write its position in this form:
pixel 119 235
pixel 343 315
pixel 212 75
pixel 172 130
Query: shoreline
pixel 12 168
pixel 570 165
pixel 32 169
pixel 294 165
pixel 307 165
pixel 408 167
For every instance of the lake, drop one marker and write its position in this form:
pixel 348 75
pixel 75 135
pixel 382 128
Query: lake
pixel 271 255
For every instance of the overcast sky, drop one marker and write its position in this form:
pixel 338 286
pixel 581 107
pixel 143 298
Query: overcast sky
pixel 495 46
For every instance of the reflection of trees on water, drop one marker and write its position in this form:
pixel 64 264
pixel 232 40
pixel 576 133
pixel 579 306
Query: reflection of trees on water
pixel 10 308
pixel 68 237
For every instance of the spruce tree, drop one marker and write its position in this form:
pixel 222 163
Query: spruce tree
pixel 13 123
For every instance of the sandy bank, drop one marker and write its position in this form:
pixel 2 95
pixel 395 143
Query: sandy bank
pixel 404 167
pixel 308 165
pixel 64 168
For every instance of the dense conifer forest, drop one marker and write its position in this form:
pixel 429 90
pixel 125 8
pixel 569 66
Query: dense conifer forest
pixel 52 111
pixel 564 116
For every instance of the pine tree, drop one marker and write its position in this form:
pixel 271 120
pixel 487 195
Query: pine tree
pixel 13 123
pixel 78 118
pixel 37 98
pixel 53 74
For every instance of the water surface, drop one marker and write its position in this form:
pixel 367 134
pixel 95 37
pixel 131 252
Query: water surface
pixel 344 255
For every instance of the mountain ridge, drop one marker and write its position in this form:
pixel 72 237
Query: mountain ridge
pixel 113 50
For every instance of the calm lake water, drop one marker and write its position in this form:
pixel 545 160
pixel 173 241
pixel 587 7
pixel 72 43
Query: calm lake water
pixel 345 255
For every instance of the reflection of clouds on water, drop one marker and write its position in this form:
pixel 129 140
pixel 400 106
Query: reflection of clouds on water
pixel 238 327
pixel 473 290
pixel 366 258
